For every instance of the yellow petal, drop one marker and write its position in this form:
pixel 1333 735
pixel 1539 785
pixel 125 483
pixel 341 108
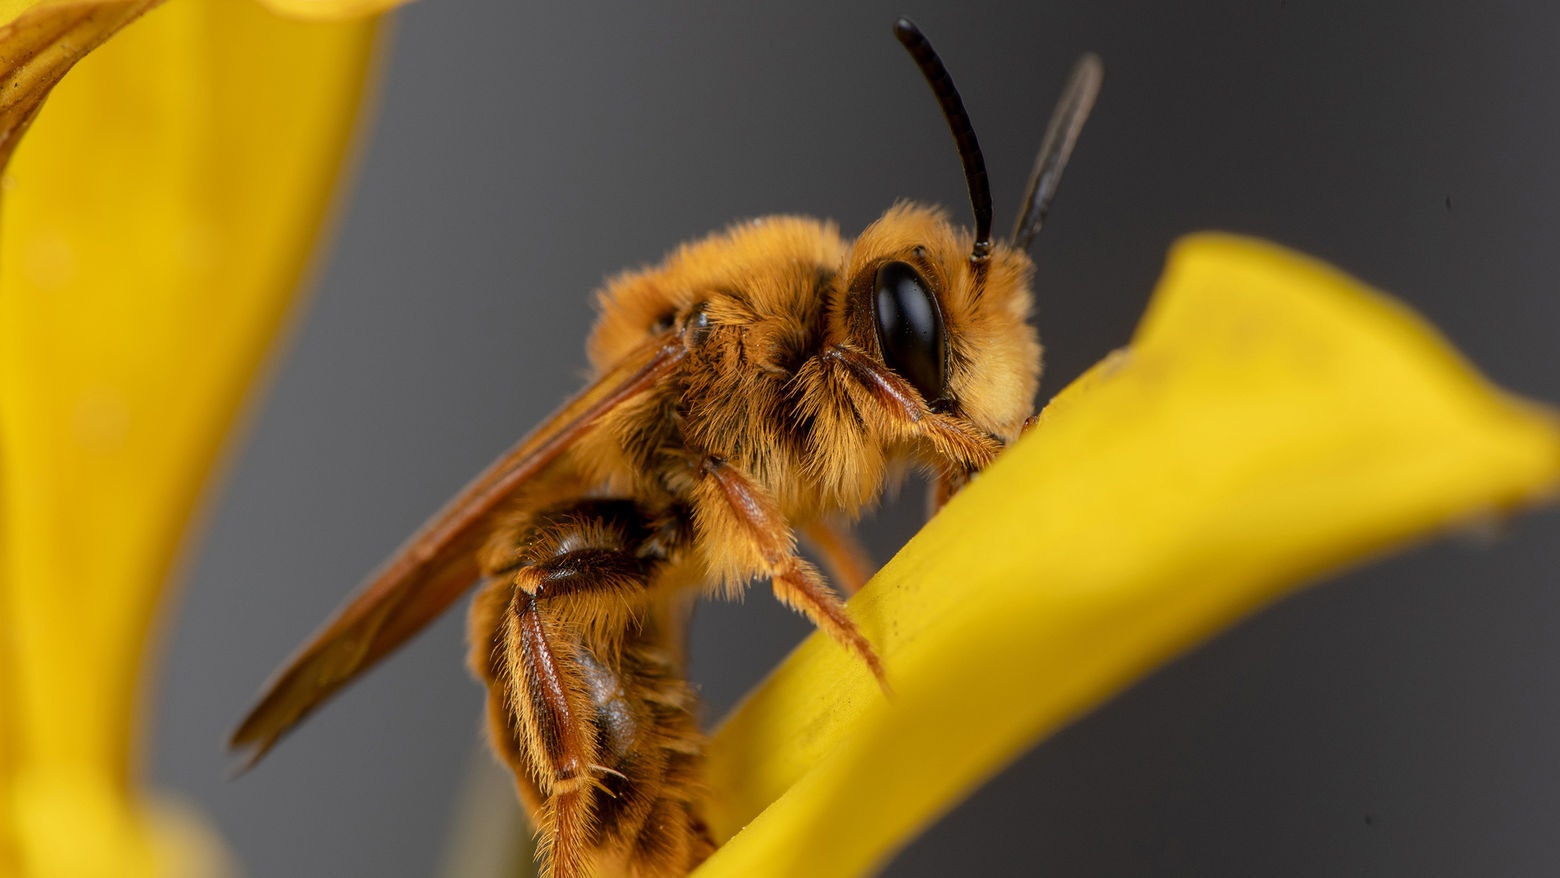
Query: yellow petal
pixel 329 10
pixel 39 42
pixel 1271 421
pixel 156 220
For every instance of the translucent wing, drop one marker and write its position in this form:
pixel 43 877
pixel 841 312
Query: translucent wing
pixel 439 563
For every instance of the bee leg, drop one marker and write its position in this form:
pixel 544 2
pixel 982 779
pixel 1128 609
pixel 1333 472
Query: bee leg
pixel 953 438
pixel 843 556
pixel 728 501
pixel 548 697
pixel 797 585
pixel 948 483
pixel 586 700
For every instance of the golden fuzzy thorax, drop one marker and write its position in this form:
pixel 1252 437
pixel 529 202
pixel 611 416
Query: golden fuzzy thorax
pixel 761 392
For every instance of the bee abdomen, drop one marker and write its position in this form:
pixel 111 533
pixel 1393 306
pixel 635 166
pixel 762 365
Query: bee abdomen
pixel 649 733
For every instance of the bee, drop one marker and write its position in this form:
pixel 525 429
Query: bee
pixel 761 384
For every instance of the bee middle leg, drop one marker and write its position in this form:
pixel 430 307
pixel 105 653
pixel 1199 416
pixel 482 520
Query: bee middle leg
pixel 751 523
pixel 585 704
pixel 841 553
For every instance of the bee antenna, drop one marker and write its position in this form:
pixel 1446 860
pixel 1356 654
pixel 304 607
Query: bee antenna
pixel 1072 110
pixel 937 77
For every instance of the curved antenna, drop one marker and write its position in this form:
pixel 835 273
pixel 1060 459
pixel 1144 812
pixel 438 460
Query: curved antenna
pixel 1072 110
pixel 937 77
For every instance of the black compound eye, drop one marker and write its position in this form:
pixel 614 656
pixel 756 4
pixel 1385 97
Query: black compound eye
pixel 910 328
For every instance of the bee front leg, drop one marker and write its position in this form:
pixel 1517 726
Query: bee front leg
pixel 958 447
pixel 740 518
pixel 954 440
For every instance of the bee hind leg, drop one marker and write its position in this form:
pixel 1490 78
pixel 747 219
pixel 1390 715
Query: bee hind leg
pixel 565 644
pixel 548 698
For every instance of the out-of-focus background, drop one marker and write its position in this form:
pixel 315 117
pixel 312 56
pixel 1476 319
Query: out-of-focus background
pixel 1400 720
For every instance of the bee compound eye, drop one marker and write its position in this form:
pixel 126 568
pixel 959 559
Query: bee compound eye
pixel 910 328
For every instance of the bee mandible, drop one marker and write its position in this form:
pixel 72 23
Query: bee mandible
pixel 761 384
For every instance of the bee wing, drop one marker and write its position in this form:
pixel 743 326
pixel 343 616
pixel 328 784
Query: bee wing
pixel 439 563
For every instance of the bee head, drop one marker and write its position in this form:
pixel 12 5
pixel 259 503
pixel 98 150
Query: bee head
pixel 947 310
pixel 958 331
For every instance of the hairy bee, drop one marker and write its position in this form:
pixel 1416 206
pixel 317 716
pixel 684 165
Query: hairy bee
pixel 761 383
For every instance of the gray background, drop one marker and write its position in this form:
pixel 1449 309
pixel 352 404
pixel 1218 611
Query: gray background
pixel 1400 720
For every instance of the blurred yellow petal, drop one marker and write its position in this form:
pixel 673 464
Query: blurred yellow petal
pixel 155 222
pixel 329 10
pixel 39 42
pixel 1272 421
